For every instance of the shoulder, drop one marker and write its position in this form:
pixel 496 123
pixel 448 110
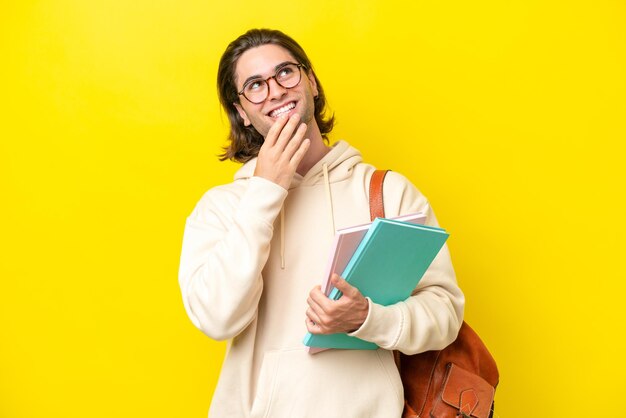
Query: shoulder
pixel 400 195
pixel 393 179
pixel 395 183
pixel 219 200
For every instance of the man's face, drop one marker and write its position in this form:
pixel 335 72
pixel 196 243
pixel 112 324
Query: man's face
pixel 261 62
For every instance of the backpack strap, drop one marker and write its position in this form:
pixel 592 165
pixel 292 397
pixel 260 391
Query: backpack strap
pixel 377 208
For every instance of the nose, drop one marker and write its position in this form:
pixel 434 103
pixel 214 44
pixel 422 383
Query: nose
pixel 276 91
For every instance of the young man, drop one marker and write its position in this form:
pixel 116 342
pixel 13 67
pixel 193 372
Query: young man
pixel 254 252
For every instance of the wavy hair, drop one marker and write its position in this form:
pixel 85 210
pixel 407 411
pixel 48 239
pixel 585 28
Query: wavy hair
pixel 244 141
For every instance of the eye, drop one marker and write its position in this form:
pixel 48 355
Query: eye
pixel 285 72
pixel 254 85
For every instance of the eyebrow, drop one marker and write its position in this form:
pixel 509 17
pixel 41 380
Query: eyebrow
pixel 259 76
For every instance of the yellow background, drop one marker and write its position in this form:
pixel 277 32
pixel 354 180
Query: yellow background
pixel 508 115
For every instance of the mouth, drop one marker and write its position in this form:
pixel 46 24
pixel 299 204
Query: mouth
pixel 282 110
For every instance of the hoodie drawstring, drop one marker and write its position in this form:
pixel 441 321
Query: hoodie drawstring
pixel 329 196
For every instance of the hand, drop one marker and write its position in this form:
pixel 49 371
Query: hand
pixel 327 316
pixel 282 151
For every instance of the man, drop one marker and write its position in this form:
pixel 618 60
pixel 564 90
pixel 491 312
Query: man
pixel 254 252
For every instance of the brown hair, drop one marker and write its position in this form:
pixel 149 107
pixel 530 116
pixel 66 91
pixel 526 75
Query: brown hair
pixel 245 141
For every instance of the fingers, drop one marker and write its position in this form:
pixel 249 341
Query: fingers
pixel 314 323
pixel 318 301
pixel 283 151
pixel 294 143
pixel 300 152
pixel 312 316
pixel 316 314
pixel 312 326
pixel 281 131
pixel 286 139
pixel 291 129
pixel 275 130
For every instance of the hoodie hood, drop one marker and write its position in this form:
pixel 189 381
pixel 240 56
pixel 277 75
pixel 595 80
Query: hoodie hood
pixel 339 162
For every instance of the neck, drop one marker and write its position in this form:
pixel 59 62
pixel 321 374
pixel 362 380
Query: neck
pixel 317 150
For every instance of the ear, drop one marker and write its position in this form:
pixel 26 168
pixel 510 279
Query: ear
pixel 242 113
pixel 311 76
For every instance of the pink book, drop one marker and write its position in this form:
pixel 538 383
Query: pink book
pixel 344 245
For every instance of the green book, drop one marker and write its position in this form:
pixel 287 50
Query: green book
pixel 386 266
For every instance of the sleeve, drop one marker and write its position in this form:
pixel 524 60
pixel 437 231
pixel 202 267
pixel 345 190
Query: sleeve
pixel 431 317
pixel 225 247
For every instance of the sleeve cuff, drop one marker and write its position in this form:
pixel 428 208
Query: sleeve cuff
pixel 263 199
pixel 382 326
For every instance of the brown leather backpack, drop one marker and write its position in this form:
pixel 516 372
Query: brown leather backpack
pixel 458 381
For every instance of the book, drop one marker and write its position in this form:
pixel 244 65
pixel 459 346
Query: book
pixel 386 266
pixel 346 242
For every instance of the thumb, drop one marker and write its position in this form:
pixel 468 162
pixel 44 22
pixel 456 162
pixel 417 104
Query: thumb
pixel 345 287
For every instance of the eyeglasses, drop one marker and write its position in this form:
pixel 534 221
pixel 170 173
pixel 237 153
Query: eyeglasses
pixel 287 76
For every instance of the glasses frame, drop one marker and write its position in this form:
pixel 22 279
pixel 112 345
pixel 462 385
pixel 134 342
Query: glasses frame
pixel 256 80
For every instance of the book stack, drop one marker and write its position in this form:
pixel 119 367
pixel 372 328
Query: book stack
pixel 385 260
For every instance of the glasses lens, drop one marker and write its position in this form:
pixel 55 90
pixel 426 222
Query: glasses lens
pixel 256 91
pixel 288 76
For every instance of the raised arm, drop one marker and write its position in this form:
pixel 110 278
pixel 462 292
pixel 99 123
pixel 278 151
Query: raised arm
pixel 228 235
pixel 225 247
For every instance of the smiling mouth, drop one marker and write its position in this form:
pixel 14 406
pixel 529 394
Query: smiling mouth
pixel 282 110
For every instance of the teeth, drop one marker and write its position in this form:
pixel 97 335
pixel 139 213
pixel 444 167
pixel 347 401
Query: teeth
pixel 281 110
